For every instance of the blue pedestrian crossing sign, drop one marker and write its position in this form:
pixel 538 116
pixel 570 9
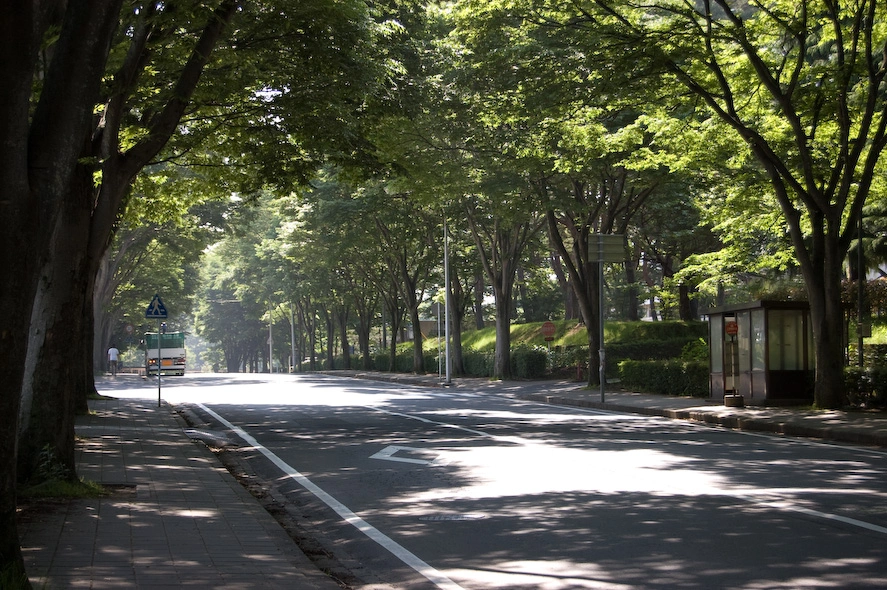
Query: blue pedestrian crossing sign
pixel 156 310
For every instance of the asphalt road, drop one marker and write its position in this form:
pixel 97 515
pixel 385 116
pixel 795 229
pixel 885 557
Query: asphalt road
pixel 413 487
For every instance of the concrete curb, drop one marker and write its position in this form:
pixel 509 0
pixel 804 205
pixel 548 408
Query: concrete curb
pixel 847 434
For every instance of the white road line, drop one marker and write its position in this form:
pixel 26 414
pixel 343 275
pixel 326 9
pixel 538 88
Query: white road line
pixel 437 578
pixel 824 515
pixel 516 439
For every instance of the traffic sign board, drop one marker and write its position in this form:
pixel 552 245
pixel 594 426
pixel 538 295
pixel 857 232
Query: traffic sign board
pixel 731 328
pixel 156 310
pixel 606 248
pixel 548 329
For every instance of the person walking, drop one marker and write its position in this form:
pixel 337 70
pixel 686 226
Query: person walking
pixel 113 357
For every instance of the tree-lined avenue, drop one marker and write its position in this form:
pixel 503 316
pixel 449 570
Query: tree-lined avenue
pixel 491 492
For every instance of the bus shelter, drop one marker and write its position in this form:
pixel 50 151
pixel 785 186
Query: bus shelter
pixel 762 352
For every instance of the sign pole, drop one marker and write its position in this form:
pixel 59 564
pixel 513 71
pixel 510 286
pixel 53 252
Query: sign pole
pixel 156 310
pixel 159 362
pixel 610 248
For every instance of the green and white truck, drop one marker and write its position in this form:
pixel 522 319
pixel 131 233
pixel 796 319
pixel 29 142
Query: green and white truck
pixel 172 353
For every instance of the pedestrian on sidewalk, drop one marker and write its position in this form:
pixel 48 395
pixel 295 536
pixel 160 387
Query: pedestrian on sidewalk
pixel 113 357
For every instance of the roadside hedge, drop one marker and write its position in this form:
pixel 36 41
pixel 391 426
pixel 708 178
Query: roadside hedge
pixel 867 387
pixel 667 377
pixel 527 362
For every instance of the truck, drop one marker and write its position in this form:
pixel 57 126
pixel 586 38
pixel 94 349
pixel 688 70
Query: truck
pixel 172 353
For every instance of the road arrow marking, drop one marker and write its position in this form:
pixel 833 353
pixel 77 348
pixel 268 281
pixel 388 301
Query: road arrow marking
pixel 389 453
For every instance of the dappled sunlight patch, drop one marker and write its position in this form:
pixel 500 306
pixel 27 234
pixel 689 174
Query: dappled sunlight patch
pixel 279 390
pixel 500 471
pixel 192 513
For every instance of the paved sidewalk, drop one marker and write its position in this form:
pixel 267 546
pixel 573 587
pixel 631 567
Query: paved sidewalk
pixel 176 519
pixel 867 428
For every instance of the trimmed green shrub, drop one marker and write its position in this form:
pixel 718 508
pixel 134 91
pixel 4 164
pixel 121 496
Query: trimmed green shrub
pixel 568 357
pixel 381 361
pixel 616 352
pixel 640 350
pixel 529 362
pixel 403 362
pixel 696 350
pixel 668 330
pixel 668 377
pixel 866 387
pixel 478 364
pixel 879 386
pixel 432 363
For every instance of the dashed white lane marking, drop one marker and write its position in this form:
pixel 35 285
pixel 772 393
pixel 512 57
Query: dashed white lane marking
pixel 437 578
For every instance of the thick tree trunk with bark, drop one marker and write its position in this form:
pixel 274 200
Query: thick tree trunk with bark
pixel 342 323
pixel 53 373
pixel 827 317
pixel 364 321
pixel 418 356
pixel 500 245
pixel 329 322
pixel 39 149
pixel 395 313
pixel 570 306
pixel 57 378
pixel 632 314
pixel 479 302
pixel 457 306
pixel 593 320
pixel 584 278
pixel 502 359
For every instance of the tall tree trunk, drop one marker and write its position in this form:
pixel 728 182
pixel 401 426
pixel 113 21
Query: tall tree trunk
pixel 632 314
pixel 479 301
pixel 53 375
pixel 502 359
pixel 329 323
pixel 41 143
pixel 395 313
pixel 523 297
pixel 86 376
pixel 312 345
pixel 409 283
pixel 342 320
pixel 685 309
pixel 364 324
pixel 585 280
pixel 589 307
pixel 418 356
pixel 648 280
pixel 827 316
pixel 570 311
pixel 458 305
pixel 86 224
pixel 500 247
